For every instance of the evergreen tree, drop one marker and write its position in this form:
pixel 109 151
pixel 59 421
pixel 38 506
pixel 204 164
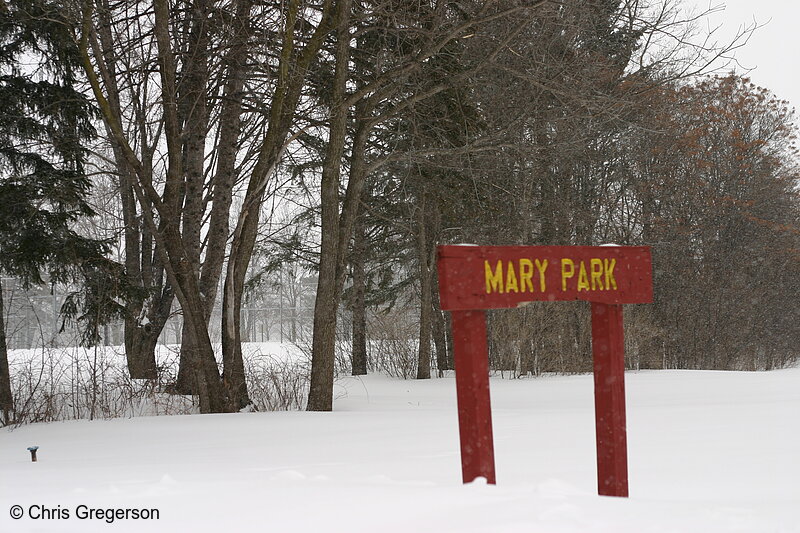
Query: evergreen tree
pixel 44 125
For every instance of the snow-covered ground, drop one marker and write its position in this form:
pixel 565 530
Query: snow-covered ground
pixel 708 452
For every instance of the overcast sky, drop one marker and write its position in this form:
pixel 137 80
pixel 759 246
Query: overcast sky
pixel 773 50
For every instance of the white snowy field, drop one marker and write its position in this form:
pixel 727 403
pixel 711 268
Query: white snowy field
pixel 708 452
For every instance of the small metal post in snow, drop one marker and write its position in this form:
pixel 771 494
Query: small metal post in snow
pixel 33 449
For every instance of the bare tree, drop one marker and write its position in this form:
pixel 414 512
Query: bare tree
pixel 158 110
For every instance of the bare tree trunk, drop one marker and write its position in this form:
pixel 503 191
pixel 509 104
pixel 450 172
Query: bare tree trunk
pixel 230 126
pixel 184 382
pixel 320 397
pixel 439 328
pixel 293 322
pixel 292 68
pixel 547 207
pixel 232 359
pixel 358 304
pixel 207 379
pixel 6 398
pixel 141 328
pixel 140 346
pixel 426 293
pixel 192 104
pixel 335 235
pixel 179 254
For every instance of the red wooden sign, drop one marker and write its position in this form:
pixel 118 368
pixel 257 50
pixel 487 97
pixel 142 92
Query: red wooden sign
pixel 491 277
pixel 475 278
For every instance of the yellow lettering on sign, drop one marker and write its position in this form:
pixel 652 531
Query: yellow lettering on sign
pixel 541 266
pixel 598 275
pixel 608 267
pixel 567 271
pixel 596 267
pixel 526 275
pixel 511 278
pixel 494 280
pixel 583 278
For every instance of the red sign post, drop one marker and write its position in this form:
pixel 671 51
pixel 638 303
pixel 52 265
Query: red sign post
pixel 475 278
